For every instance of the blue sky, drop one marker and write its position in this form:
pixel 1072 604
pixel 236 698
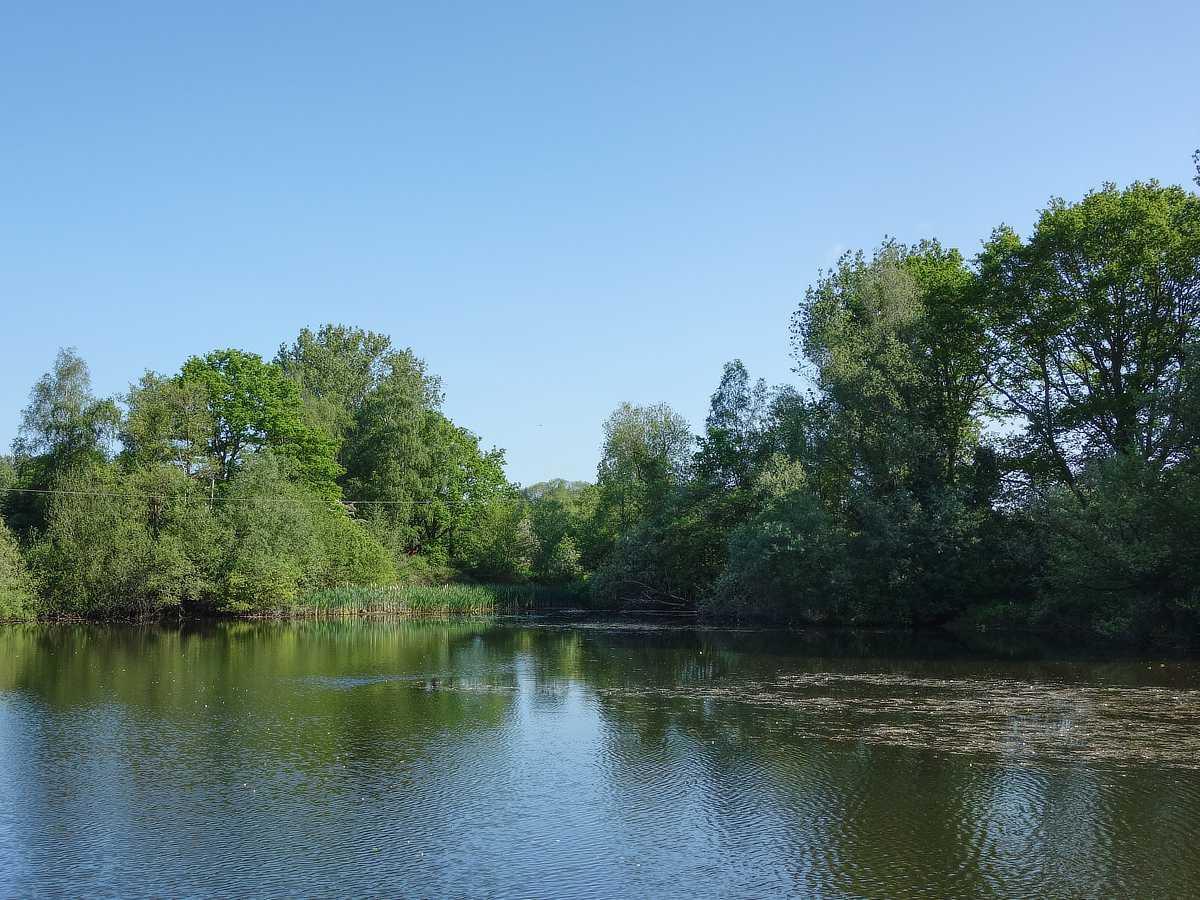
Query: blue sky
pixel 560 206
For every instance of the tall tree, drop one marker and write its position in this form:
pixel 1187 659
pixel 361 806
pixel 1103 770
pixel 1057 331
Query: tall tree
pixel 895 345
pixel 647 454
pixel 560 511
pixel 252 406
pixel 64 428
pixel 1094 323
pixel 8 477
pixel 733 444
pixel 168 421
pixel 423 478
pixel 337 367
pixel 63 419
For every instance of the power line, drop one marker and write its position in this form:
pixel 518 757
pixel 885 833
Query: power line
pixel 173 497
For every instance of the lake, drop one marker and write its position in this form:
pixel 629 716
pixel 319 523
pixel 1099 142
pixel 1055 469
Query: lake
pixel 547 758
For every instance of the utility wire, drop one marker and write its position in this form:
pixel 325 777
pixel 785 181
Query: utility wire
pixel 173 497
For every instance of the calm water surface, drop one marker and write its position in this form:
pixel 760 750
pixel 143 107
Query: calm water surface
pixel 534 758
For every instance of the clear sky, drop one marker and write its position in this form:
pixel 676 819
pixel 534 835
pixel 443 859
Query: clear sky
pixel 560 206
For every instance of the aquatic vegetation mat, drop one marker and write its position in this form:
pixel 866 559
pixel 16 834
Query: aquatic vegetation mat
pixel 1035 720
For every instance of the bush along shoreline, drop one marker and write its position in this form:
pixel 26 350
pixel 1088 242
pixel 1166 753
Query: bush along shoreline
pixel 1004 441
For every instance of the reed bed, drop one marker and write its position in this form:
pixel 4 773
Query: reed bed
pixel 432 600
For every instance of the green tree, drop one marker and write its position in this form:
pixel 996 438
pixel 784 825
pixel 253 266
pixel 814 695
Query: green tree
pixel 117 544
pixel 63 420
pixel 63 427
pixel 734 442
pixel 564 563
pixel 896 347
pixel 678 547
pixel 169 420
pixel 646 456
pixel 789 563
pixel 871 499
pixel 1093 326
pixel 559 510
pixel 285 540
pixel 424 482
pixel 253 406
pixel 1127 562
pixel 274 552
pixel 501 544
pixel 337 367
pixel 669 559
pixel 8 479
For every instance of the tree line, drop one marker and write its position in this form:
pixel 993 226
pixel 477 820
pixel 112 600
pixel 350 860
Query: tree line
pixel 225 486
pixel 1009 439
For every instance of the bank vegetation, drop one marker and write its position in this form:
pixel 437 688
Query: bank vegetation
pixel 1008 440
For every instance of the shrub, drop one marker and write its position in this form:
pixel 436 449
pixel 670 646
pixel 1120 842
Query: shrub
pixel 284 541
pixel 1124 554
pixel 563 564
pixel 18 598
pixel 790 563
pixel 120 544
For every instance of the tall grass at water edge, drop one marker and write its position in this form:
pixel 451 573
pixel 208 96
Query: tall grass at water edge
pixel 432 600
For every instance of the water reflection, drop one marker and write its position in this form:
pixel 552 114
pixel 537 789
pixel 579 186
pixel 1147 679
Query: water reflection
pixel 539 758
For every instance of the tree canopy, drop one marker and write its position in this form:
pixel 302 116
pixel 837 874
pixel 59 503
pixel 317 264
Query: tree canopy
pixel 1007 440
pixel 252 406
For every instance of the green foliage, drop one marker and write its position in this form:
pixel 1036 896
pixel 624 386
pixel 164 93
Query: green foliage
pixel 877 499
pixel 500 545
pixel 150 541
pixel 8 479
pixel 432 490
pixel 352 554
pixel 253 406
pixel 284 541
pixel 413 568
pixel 913 561
pixel 873 501
pixel 561 511
pixel 18 594
pixel 338 368
pixel 63 420
pixel 660 562
pixel 646 456
pixel 673 557
pixel 735 441
pixel 126 544
pixel 431 600
pixel 1007 442
pixel 63 427
pixel 168 421
pixel 426 480
pixel 406 599
pixel 564 563
pixel 1093 329
pixel 790 563
pixel 1124 551
pixel 897 350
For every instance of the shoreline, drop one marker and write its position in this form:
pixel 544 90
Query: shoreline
pixel 933 636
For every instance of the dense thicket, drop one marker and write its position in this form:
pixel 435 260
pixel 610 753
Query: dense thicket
pixel 1009 439
pixel 225 486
